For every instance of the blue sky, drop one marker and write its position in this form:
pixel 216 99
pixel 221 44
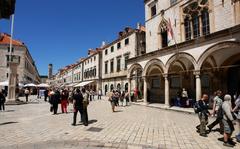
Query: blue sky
pixel 60 31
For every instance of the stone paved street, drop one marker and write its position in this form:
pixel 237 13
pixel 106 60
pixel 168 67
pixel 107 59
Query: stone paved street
pixel 134 127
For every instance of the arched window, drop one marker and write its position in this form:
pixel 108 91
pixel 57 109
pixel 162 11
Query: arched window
pixel 195 23
pixel 187 27
pixel 112 87
pixel 205 22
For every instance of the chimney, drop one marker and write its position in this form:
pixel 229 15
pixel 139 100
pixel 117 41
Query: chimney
pixel 50 71
pixel 138 25
pixel 103 44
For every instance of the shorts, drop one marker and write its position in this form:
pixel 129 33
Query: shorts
pixel 228 126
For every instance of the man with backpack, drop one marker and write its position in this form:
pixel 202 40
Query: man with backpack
pixel 203 113
pixel 217 110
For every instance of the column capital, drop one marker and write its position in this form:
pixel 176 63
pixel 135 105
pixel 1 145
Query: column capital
pixel 197 72
pixel 165 75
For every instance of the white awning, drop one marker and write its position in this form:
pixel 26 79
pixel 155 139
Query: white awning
pixel 83 84
pixel 72 84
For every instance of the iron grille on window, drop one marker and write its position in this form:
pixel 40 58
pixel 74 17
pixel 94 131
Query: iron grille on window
pixel 205 23
pixel 187 26
pixel 195 21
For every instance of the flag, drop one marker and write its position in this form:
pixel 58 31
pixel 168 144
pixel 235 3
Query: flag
pixel 170 33
pixel 7 8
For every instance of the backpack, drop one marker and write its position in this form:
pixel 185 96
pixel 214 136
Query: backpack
pixel 197 107
pixel 220 112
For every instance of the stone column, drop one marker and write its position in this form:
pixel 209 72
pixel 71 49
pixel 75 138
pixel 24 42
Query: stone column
pixel 145 90
pixel 166 90
pixel 12 81
pixel 198 85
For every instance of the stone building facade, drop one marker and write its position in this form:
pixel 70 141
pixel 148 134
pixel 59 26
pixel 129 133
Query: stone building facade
pixel 27 70
pixel 130 43
pixel 202 54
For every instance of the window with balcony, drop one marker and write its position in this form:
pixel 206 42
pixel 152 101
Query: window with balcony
pixel 106 67
pixel 112 66
pixel 118 64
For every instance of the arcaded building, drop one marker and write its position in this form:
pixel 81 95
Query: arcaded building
pixel 191 44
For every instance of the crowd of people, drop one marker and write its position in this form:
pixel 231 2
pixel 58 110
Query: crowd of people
pixel 79 99
pixel 118 98
pixel 227 113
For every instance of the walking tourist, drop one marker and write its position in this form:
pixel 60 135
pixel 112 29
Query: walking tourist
pixel 45 94
pixel 99 94
pixel 217 103
pixel 84 116
pixel 26 92
pixel 237 110
pixel 184 97
pixel 127 98
pixel 227 121
pixel 203 115
pixel 64 101
pixel 91 95
pixel 112 100
pixel 77 106
pixel 2 101
pixel 122 96
pixel 55 101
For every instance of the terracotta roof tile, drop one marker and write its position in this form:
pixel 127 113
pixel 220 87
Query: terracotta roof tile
pixel 5 39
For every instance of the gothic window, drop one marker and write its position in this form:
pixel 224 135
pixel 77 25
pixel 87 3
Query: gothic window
pixel 153 10
pixel 164 39
pixel 195 22
pixel 187 27
pixel 205 22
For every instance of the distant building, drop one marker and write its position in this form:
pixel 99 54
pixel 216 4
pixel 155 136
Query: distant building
pixel 27 70
pixel 44 79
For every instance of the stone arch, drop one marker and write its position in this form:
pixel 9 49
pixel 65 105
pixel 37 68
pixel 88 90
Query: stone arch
pixel 132 68
pixel 216 47
pixel 177 56
pixel 152 62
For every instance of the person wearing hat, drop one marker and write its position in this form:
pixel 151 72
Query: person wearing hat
pixel 227 121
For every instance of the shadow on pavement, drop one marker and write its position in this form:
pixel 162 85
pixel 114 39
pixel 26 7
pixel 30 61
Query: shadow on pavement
pixel 92 121
pixel 6 123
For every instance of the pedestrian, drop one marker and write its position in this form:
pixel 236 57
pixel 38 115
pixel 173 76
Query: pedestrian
pixel 217 102
pixel 203 115
pixel 26 92
pixel 90 93
pixel 77 106
pixel 64 101
pixel 99 94
pixel 2 101
pixel 227 121
pixel 184 97
pixel 85 105
pixel 237 110
pixel 45 94
pixel 112 100
pixel 122 97
pixel 117 97
pixel 127 98
pixel 55 101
